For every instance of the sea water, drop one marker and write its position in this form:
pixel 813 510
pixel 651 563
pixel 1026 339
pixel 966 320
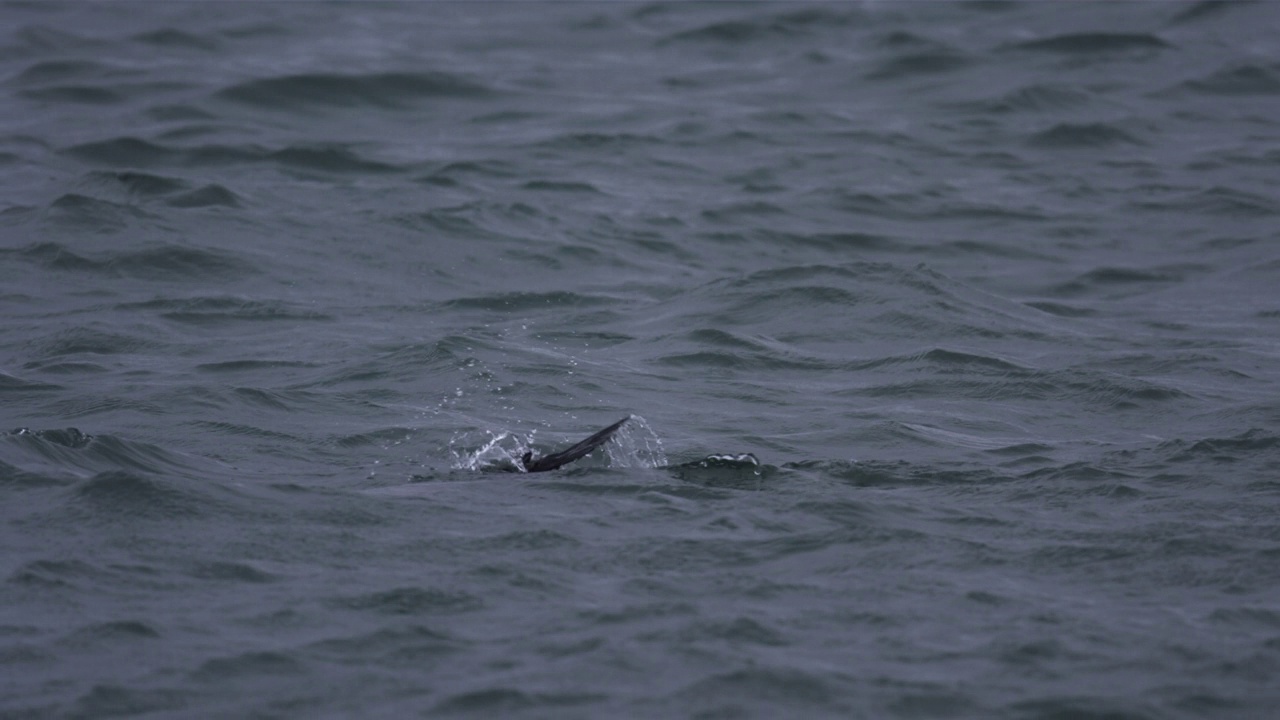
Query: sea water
pixel 953 328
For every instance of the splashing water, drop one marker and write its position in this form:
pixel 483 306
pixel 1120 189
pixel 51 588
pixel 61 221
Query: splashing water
pixel 635 445
pixel 501 451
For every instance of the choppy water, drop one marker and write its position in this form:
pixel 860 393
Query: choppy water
pixel 988 289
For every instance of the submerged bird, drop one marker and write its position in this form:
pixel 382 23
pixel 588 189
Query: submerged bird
pixel 568 455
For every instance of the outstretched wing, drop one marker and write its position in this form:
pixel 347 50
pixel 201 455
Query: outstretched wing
pixel 580 450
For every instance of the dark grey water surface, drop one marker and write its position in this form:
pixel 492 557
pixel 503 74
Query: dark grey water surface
pixel 988 289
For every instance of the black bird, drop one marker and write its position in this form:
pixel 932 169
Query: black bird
pixel 580 450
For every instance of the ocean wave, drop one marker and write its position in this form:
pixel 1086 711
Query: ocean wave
pixel 173 38
pixel 1116 281
pixel 926 64
pixel 1036 97
pixel 160 262
pixel 1216 201
pixel 223 309
pixel 46 72
pixel 131 153
pixel 174 191
pixel 304 92
pixel 120 494
pixel 1094 43
pixel 1242 79
pixel 1083 135
pixel 1205 10
pixel 10 384
pixel 524 302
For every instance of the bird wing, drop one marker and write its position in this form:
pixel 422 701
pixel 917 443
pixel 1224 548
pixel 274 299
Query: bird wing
pixel 579 450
